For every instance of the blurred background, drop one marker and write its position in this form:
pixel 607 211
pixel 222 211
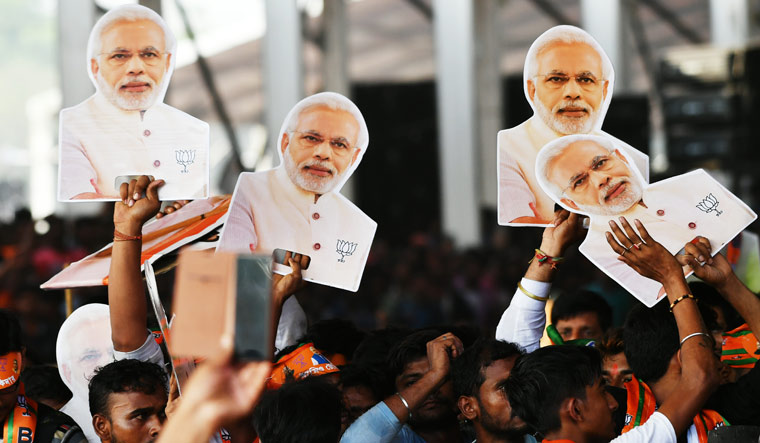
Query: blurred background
pixel 435 80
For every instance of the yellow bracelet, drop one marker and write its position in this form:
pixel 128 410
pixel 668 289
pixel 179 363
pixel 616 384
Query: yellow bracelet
pixel 681 298
pixel 533 296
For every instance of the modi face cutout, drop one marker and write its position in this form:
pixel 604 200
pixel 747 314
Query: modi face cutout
pixel 569 86
pixel 130 63
pixel 297 207
pixel 568 81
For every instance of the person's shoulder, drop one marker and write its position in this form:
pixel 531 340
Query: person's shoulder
pixel 349 209
pixel 505 134
pixel 85 107
pixel 55 427
pixel 181 117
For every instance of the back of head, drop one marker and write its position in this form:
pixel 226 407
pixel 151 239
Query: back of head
pixel 542 380
pixel 305 410
pixel 44 384
pixel 468 370
pixel 651 340
pixel 10 333
pixel 124 376
pixel 709 296
pixel 335 336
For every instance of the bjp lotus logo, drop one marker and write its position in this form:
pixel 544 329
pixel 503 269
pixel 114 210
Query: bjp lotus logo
pixel 345 248
pixel 185 157
pixel 709 204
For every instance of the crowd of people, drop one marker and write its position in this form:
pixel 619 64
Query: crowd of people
pixel 681 371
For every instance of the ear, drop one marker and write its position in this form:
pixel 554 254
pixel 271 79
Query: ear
pixel 469 407
pixel 531 90
pixel 575 409
pixel 168 62
pixel 102 427
pixel 356 155
pixel 284 142
pixel 94 68
pixel 569 203
pixel 604 89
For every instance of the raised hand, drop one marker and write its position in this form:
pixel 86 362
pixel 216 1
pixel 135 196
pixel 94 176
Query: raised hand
pixel 440 351
pixel 715 271
pixel 567 229
pixel 283 286
pixel 139 203
pixel 641 252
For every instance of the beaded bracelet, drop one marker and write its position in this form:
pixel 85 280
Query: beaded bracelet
pixel 118 236
pixel 531 295
pixel 679 299
pixel 543 257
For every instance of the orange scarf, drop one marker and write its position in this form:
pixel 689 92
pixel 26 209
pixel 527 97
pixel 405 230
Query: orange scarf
pixel 22 421
pixel 740 348
pixel 641 405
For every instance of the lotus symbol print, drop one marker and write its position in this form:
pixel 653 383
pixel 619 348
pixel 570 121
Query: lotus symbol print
pixel 345 248
pixel 185 157
pixel 709 204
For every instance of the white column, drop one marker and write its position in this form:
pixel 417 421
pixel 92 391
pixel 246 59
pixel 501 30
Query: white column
pixel 603 19
pixel 729 22
pixel 454 52
pixel 75 20
pixel 489 96
pixel 283 72
pixel 335 64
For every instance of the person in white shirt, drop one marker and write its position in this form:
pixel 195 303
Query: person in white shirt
pixel 559 390
pixel 124 128
pixel 297 207
pixel 568 81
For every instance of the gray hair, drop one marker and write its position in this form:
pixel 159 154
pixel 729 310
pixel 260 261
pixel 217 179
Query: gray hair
pixel 127 13
pixel 554 149
pixel 332 100
pixel 564 34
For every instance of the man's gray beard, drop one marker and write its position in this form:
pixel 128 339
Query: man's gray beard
pixel 623 203
pixel 316 185
pixel 130 103
pixel 565 125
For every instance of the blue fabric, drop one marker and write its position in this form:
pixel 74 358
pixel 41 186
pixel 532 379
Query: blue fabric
pixel 379 424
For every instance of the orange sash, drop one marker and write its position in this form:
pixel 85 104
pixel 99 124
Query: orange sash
pixel 21 423
pixel 741 348
pixel 303 362
pixel 641 405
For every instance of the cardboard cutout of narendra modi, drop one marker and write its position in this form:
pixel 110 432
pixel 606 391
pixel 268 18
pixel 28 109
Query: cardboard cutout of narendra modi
pixel 297 206
pixel 568 81
pixel 592 175
pixel 125 129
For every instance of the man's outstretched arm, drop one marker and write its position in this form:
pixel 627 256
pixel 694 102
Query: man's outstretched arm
pixel 126 293
pixel 699 373
pixel 524 320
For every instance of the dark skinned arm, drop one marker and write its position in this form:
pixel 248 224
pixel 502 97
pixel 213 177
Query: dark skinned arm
pixel 699 374
pixel 126 293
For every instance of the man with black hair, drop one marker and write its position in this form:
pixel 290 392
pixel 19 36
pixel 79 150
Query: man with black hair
pixel 304 410
pixel 478 376
pixel 581 315
pixel 362 388
pixel 653 351
pixel 25 420
pixel 420 365
pixel 559 390
pixel 43 383
pixel 128 401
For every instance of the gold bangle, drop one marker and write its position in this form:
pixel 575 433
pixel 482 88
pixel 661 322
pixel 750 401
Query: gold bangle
pixel 681 298
pixel 533 296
